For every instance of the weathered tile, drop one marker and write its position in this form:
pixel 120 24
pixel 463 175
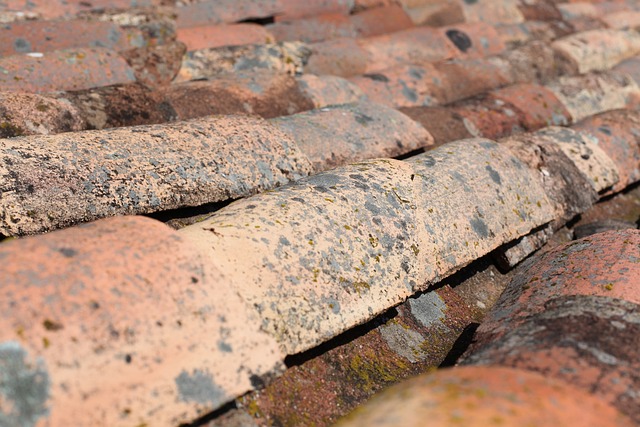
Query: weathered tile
pixel 342 57
pixel 156 65
pixel 589 342
pixel 368 23
pixel 511 254
pixel 540 10
pixel 481 396
pixel 381 20
pixel 570 191
pixel 329 90
pixel 132 326
pixel 46 36
pixel 463 78
pixel 594 93
pixel 618 135
pixel 538 106
pixel 630 67
pixel 262 92
pixel 503 12
pixel 404 85
pixel 206 63
pixel 211 12
pixel 211 36
pixel 28 114
pixel 291 244
pixel 335 135
pixel 474 39
pixel 600 265
pixel 514 35
pixel 584 152
pixel 314 29
pixel 595 50
pixel 443 124
pixel 52 181
pixel 118 105
pixel 294 9
pixel 49 9
pixel 435 13
pixel 488 117
pixel 533 62
pixel 625 20
pixel 75 69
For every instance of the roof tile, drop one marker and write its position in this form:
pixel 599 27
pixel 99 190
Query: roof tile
pixel 618 135
pixel 310 292
pixel 205 63
pixel 57 180
pixel 596 49
pixel 572 269
pixel 211 12
pixel 224 35
pixel 336 135
pixel 145 331
pixel 537 105
pixel 586 341
pixel 75 69
pixel 481 396
pixel 156 65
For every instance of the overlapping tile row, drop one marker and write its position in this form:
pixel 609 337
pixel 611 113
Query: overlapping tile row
pixel 53 181
pixel 260 92
pixel 568 320
pixel 536 62
pixel 307 261
pixel 356 131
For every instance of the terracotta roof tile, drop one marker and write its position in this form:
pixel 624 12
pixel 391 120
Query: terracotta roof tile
pixel 313 293
pixel 81 68
pixel 131 345
pixel 480 396
pixel 140 170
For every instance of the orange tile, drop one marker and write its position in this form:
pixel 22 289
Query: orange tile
pixel 482 396
pixel 223 35
pixel 132 325
pixel 75 69
pixel 381 20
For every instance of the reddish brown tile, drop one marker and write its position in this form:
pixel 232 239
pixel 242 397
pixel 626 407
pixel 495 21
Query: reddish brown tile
pixel 28 114
pixel 212 12
pixel 46 36
pixel 63 70
pixel 157 65
pixel 602 265
pixel 586 341
pixel 294 9
pixel 262 92
pixel 435 13
pixel 489 118
pixel 474 39
pixel 537 105
pixel 381 20
pixel 463 78
pixel 224 35
pixel 329 90
pixel 443 123
pixel 618 134
pixel 314 29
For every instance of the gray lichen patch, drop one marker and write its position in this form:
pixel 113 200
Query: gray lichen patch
pixel 24 387
pixel 199 387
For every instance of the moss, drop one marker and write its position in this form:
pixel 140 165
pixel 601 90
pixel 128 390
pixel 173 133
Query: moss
pixel 254 409
pixel 372 372
pixel 609 286
pixel 8 130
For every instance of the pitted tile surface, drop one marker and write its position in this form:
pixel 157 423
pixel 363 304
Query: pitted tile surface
pixel 333 250
pixel 58 180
